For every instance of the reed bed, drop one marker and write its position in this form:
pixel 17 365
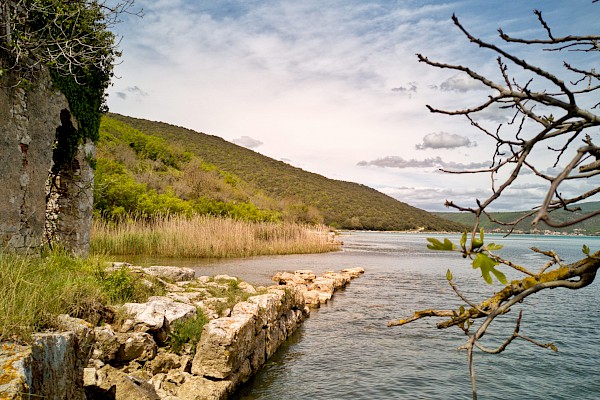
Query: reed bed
pixel 206 237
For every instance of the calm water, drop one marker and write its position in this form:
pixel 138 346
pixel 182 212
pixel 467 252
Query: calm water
pixel 346 351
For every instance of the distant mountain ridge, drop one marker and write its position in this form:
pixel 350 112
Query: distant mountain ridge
pixel 269 183
pixel 588 227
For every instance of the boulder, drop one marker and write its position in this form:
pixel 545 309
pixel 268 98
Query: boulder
pixel 268 308
pixel 49 368
pixel 111 383
pixel 199 388
pixel 163 363
pixel 289 296
pixel 224 345
pixel 154 314
pixel 167 384
pixel 354 272
pixel 213 307
pixel 339 280
pixel 85 338
pixel 286 278
pixel 306 274
pixel 15 368
pixel 259 356
pixel 246 287
pixel 119 265
pixel 312 298
pixel 246 308
pixel 106 345
pixel 139 346
pixel 173 274
pixel 324 285
pixel 324 297
pixel 203 279
pixel 275 335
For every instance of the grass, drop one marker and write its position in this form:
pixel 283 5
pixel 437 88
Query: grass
pixel 206 237
pixel 230 291
pixel 33 290
pixel 187 332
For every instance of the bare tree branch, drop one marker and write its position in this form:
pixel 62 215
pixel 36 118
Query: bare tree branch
pixel 551 120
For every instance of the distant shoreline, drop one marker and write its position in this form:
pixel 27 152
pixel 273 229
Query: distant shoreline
pixel 555 234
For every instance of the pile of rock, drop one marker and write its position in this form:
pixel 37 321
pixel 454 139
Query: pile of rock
pixel 131 360
pixel 317 290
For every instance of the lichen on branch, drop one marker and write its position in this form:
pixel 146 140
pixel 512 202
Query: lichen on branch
pixel 551 115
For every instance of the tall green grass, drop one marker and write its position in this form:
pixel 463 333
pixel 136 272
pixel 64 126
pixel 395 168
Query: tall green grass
pixel 34 290
pixel 206 237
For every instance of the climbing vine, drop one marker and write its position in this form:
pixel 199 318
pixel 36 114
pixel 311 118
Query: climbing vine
pixel 73 40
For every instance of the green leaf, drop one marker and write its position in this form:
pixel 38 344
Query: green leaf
pixel 449 274
pixel 477 243
pixel 437 245
pixel 463 240
pixel 486 264
pixel 494 246
pixel 586 250
pixel 499 276
pixel 553 347
pixel 461 310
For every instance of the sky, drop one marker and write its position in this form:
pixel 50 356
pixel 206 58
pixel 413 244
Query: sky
pixel 335 87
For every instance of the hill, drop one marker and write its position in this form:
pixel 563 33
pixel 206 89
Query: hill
pixel 174 169
pixel 588 227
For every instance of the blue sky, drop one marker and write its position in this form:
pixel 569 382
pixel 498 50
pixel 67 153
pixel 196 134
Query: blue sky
pixel 334 87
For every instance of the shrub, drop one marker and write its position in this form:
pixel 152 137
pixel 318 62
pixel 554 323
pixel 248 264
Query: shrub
pixel 122 286
pixel 187 332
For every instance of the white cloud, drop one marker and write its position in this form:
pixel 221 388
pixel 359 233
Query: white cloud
pixel 132 91
pixel 434 162
pixel 411 87
pixel 247 142
pixel 444 140
pixel 495 114
pixel 461 83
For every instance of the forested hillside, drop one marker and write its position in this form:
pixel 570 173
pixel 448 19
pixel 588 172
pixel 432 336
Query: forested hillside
pixel 588 227
pixel 148 167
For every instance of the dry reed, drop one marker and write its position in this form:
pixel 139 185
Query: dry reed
pixel 207 237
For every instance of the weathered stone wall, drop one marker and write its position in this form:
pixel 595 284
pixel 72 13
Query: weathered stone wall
pixel 29 117
pixel 28 120
pixel 51 368
pixel 71 201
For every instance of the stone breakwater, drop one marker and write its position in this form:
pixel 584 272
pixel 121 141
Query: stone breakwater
pixel 132 359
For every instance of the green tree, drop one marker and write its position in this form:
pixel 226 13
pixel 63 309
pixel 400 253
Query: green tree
pixel 73 40
pixel 551 113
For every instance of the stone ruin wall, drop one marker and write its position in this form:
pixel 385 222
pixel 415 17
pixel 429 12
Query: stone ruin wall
pixel 29 117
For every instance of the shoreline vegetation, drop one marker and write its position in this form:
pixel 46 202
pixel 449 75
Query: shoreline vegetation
pixel 79 286
pixel 34 290
pixel 201 236
pixel 195 337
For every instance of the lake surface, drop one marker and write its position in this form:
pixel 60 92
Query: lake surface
pixel 346 351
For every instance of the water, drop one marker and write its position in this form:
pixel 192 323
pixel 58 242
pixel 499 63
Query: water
pixel 346 351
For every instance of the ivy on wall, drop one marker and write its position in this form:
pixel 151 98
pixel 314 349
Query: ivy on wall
pixel 73 40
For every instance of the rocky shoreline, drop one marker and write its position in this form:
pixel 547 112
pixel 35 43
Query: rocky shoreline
pixel 132 359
